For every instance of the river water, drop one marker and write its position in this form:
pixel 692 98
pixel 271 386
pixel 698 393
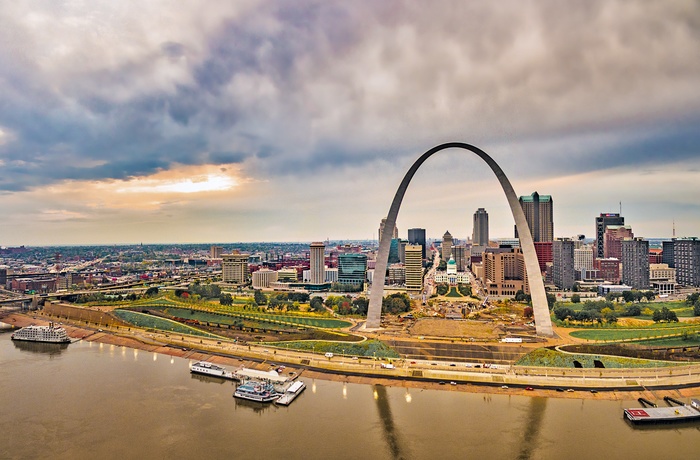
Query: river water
pixel 90 400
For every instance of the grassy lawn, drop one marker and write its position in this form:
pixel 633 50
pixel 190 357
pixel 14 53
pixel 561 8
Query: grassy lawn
pixel 368 348
pixel 153 322
pixel 545 357
pixel 679 306
pixel 692 341
pixel 614 333
pixel 453 293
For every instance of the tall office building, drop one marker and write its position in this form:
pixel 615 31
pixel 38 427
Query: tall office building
pixel 583 258
pixel 414 267
pixel 601 224
pixel 539 216
pixel 446 246
pixel 563 263
pixel 635 263
pixel 612 240
pixel 352 268
pixel 504 272
pixel 481 228
pixel 382 224
pixel 687 261
pixel 317 261
pixel 417 236
pixel 461 255
pixel 215 252
pixel 667 255
pixel 394 257
pixel 234 268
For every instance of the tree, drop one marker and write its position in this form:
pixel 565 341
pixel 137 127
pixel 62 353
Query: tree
pixel 633 310
pixel 563 312
pixel 528 312
pixel 575 298
pixel 360 304
pixel 520 296
pixel 696 308
pixel 464 289
pixel 665 315
pixel 316 304
pixel 225 299
pixel 692 298
pixel 442 288
pixel 259 297
pixel 551 299
pixel 151 291
pixel 628 296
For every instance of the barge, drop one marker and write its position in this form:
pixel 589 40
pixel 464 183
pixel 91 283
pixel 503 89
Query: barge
pixel 672 414
pixel 291 393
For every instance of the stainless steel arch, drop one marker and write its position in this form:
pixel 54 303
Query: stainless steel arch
pixel 543 321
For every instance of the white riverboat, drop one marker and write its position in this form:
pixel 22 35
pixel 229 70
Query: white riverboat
pixel 291 393
pixel 48 334
pixel 207 368
pixel 256 391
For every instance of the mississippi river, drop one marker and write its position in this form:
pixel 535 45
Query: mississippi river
pixel 98 401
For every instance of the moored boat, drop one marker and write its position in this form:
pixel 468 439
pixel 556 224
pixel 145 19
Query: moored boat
pixel 48 334
pixel 207 368
pixel 674 414
pixel 256 391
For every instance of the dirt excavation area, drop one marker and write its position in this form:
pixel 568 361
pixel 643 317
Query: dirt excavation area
pixel 438 327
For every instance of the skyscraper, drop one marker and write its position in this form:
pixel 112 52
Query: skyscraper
pixel 446 246
pixel 461 256
pixel 539 216
pixel 317 266
pixel 601 224
pixel 612 240
pixel 234 268
pixel 635 263
pixel 352 268
pixel 382 224
pixel 417 236
pixel 481 227
pixel 563 263
pixel 687 261
pixel 414 268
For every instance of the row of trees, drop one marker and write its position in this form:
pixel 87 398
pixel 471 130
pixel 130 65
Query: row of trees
pixel 631 296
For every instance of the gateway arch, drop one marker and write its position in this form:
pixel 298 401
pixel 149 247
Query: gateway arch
pixel 543 322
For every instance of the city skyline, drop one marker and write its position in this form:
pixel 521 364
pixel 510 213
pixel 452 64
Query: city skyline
pixel 271 122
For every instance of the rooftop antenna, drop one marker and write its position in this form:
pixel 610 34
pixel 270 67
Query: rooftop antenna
pixel 674 228
pixel 620 207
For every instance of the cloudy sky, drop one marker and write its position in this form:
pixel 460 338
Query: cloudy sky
pixel 172 121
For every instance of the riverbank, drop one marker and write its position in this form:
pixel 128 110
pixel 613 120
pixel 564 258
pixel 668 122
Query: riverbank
pixel 543 382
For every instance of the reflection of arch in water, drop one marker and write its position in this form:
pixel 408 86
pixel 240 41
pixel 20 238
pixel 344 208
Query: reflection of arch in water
pixel 533 423
pixel 543 321
pixel 390 433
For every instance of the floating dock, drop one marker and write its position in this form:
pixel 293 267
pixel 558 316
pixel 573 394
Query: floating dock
pixel 291 393
pixel 673 414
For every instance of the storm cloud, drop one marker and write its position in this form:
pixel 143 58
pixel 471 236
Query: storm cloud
pixel 117 90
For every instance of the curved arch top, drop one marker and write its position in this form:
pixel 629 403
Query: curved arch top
pixel 543 321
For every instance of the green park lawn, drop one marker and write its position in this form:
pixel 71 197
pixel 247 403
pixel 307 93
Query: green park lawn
pixel 623 333
pixel 153 322
pixel 368 348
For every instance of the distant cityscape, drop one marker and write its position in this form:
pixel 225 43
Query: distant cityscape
pixel 613 260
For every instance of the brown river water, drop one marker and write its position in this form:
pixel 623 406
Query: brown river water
pixel 98 401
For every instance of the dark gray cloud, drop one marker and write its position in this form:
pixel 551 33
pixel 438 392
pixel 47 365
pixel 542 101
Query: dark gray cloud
pixel 306 85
